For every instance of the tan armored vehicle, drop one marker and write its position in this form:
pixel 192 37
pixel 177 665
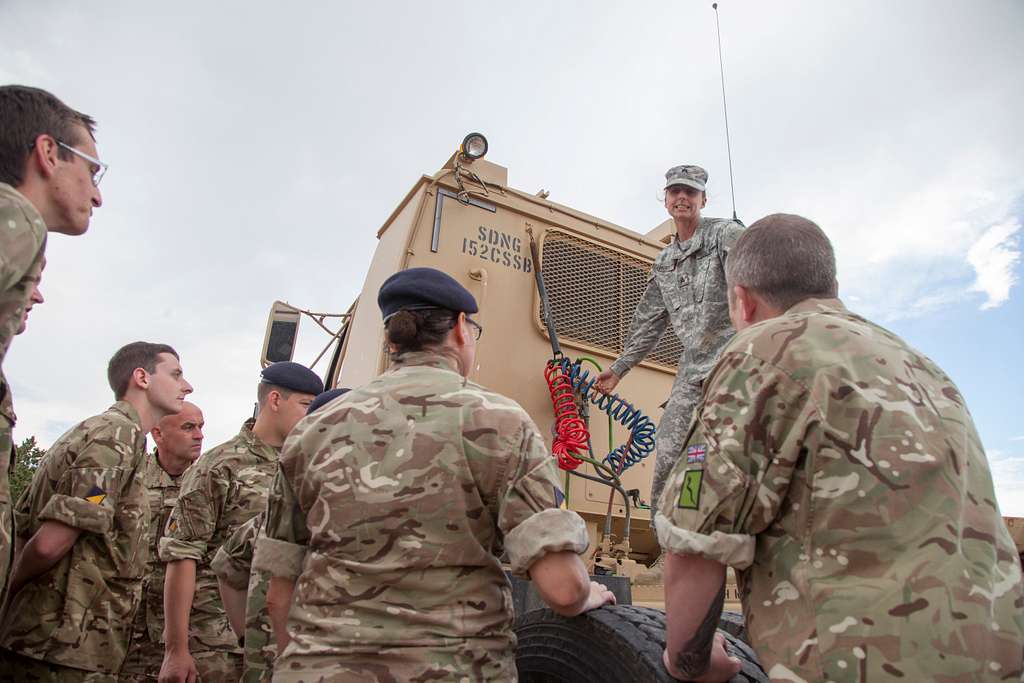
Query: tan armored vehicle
pixel 467 221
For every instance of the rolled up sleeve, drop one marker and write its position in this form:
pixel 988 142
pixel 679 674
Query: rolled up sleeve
pixel 529 516
pixel 193 521
pixel 86 495
pixel 282 550
pixel 737 465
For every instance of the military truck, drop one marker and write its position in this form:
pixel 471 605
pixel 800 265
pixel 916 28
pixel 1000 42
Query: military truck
pixel 545 340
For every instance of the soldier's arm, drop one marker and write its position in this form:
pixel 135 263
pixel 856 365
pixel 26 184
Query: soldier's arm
pixel 282 549
pixel 190 527
pixel 543 541
pixel 649 322
pixel 233 564
pixel 179 591
pixel 712 510
pixel 47 546
pixel 83 501
pixel 20 245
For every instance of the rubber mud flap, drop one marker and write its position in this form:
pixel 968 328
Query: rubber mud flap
pixel 620 643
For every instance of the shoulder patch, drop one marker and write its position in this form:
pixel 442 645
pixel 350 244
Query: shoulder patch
pixel 96 495
pixel 696 453
pixel 559 497
pixel 689 494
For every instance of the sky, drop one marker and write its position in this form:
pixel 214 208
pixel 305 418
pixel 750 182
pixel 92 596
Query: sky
pixel 255 148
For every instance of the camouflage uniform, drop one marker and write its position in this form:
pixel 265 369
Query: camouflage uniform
pixel 77 616
pixel 146 653
pixel 687 290
pixel 840 472
pixel 233 564
pixel 224 489
pixel 22 242
pixel 391 508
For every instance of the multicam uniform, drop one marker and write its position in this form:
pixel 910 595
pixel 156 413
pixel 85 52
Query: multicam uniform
pixel 687 290
pixel 391 508
pixel 233 564
pixel 147 649
pixel 73 622
pixel 22 241
pixel 224 489
pixel 840 471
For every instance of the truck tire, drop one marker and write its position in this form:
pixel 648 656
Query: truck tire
pixel 620 643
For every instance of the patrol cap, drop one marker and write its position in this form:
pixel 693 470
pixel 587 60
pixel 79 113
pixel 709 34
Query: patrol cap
pixel 693 176
pixel 325 398
pixel 292 376
pixel 419 288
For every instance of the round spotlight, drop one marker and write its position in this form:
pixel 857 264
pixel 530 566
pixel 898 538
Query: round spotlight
pixel 474 146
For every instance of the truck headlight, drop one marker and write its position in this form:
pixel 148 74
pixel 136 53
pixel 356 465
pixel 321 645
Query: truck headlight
pixel 474 146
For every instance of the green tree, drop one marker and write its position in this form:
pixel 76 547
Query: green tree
pixel 29 455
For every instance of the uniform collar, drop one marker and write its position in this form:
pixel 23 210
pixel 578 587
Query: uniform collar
pixel 692 245
pixel 431 359
pixel 165 476
pixel 255 444
pixel 128 410
pixel 813 305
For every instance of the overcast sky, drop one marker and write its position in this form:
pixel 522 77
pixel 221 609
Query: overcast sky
pixel 256 148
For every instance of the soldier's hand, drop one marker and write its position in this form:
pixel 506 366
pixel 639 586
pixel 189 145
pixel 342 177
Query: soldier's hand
pixel 607 381
pixel 599 595
pixel 178 667
pixel 721 668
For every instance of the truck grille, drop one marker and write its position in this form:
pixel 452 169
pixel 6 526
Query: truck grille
pixel 593 291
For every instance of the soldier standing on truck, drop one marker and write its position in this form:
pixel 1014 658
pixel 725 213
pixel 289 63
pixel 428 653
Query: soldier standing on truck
pixel 392 504
pixel 49 180
pixel 838 470
pixel 687 293
pixel 226 488
pixel 179 441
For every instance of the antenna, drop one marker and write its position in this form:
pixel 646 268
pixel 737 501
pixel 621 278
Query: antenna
pixel 725 110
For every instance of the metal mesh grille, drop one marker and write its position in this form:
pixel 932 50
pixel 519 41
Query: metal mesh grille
pixel 593 292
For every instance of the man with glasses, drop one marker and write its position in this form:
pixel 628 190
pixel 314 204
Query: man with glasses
pixel 687 293
pixel 48 178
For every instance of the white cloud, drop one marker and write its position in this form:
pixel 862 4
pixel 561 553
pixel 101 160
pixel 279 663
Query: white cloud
pixel 1008 477
pixel 1017 438
pixel 994 257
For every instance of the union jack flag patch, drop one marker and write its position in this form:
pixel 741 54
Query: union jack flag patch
pixel 695 454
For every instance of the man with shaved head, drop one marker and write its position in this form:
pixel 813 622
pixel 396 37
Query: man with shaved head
pixel 179 441
pixel 839 472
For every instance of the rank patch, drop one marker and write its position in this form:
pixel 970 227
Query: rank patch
pixel 96 495
pixel 689 494
pixel 695 454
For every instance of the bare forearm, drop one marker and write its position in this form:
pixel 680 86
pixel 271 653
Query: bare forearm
pixel 179 591
pixel 234 604
pixel 46 548
pixel 279 601
pixel 694 596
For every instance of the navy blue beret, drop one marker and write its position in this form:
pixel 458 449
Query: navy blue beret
pixel 325 398
pixel 418 288
pixel 292 376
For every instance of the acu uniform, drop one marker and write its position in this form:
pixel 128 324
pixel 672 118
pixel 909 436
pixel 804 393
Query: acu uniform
pixel 233 564
pixel 687 292
pixel 147 650
pixel 224 489
pixel 73 622
pixel 22 243
pixel 839 471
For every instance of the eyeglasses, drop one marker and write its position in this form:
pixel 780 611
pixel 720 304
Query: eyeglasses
pixel 101 168
pixel 476 326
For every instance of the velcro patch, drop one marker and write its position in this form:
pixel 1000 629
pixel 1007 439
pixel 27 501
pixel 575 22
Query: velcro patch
pixel 689 494
pixel 96 495
pixel 695 454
